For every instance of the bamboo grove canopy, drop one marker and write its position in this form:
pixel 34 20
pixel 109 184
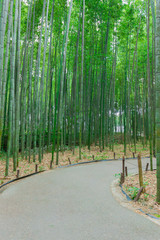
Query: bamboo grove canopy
pixel 78 72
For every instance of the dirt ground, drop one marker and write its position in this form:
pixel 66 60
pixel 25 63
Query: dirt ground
pixel 147 201
pixel 26 168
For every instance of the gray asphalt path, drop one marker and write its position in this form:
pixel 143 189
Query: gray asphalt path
pixel 71 204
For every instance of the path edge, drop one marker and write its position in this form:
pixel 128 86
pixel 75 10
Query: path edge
pixel 120 197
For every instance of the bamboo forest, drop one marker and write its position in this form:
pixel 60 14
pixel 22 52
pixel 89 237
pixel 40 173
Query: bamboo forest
pixel 78 73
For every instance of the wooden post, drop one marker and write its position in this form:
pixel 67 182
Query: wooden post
pixel 122 179
pixel 114 156
pixel 51 164
pixel 126 171
pixel 147 167
pixel 93 157
pixel 36 168
pixel 133 155
pixel 69 160
pixel 17 176
pixel 139 194
pixel 123 165
pixel 140 170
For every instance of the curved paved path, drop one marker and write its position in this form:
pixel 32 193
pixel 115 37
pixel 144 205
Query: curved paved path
pixel 71 204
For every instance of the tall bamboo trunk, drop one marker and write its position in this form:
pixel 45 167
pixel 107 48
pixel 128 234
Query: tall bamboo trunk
pixel 158 96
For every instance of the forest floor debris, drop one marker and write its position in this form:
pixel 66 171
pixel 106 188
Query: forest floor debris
pixel 27 168
pixel 147 202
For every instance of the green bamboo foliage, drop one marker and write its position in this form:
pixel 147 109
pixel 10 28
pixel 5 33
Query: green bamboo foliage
pixel 75 74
